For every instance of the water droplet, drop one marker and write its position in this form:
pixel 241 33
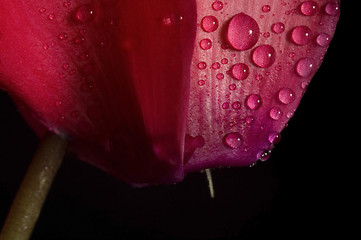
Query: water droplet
pixel 254 102
pixel 220 76
pixel 309 8
pixel 264 56
pixel 266 8
pixel 63 36
pixel 275 113
pixel 42 10
pixel 286 95
pixel 305 67
pixel 45 46
pixel 217 5
pixel 232 86
pixel 225 105
pixel 78 40
pixel 242 32
pixel 301 35
pixel 58 103
pixel 201 82
pixel 67 4
pixel 236 105
pixel 264 155
pixel 332 8
pixel 216 65
pixel 51 16
pixel 323 39
pixel 209 23
pixel 240 71
pixel 202 65
pixel 278 28
pixel 274 137
pixel 249 119
pixel 205 44
pixel 85 13
pixel 224 61
pixel 233 140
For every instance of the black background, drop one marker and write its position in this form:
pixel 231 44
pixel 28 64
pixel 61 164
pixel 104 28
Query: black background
pixel 304 190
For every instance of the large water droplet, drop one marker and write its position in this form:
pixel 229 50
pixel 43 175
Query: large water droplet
pixel 301 35
pixel 274 137
pixel 217 5
pixel 240 71
pixel 254 101
pixel 85 13
pixel 264 56
pixel 205 44
pixel 242 32
pixel 332 8
pixel 309 8
pixel 275 113
pixel 286 95
pixel 233 140
pixel 209 23
pixel 305 67
pixel 323 39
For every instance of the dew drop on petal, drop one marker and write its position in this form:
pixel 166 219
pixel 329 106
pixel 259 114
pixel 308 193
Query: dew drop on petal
pixel 264 155
pixel 240 71
pixel 332 8
pixel 216 65
pixel 309 8
pixel 323 40
pixel 217 5
pixel 220 76
pixel 274 137
pixel 301 35
pixel 201 82
pixel 278 28
pixel 63 36
pixel 51 16
pixel 275 113
pixel 85 13
pixel 305 67
pixel 236 105
pixel 254 101
pixel 232 86
pixel 286 95
pixel 202 65
pixel 225 105
pixel 266 8
pixel 264 56
pixel 205 44
pixel 242 32
pixel 249 119
pixel 209 23
pixel 233 140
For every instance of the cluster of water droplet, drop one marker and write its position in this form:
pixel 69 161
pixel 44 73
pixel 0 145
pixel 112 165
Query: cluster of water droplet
pixel 82 68
pixel 242 36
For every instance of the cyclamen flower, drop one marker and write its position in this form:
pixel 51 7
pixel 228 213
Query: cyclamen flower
pixel 150 90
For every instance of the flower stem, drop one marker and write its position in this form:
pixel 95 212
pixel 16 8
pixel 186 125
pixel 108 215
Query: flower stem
pixel 34 188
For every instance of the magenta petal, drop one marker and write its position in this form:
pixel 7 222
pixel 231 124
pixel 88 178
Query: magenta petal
pixel 268 53
pixel 149 90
